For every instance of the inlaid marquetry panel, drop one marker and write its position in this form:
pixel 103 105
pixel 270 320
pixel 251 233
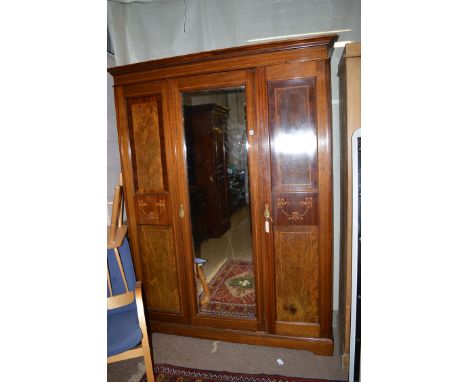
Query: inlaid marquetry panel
pixel 152 209
pixel 295 209
pixel 146 135
pixel 296 273
pixel 293 134
pixel 160 281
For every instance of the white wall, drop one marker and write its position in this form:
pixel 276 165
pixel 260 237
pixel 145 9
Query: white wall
pixel 148 30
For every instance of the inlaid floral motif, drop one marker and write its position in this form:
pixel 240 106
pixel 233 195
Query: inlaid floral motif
pixel 153 214
pixel 295 215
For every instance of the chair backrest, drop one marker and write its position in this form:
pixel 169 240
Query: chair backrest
pixel 120 272
pixel 116 278
pixel 121 278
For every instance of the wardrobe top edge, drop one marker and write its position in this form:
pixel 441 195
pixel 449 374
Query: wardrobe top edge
pixel 238 51
pixel 351 50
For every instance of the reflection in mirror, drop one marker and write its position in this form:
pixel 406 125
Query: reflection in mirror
pixel 217 168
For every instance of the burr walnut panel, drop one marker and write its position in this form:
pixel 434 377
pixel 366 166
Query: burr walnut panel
pixel 293 134
pixel 296 274
pixel 147 144
pixel 159 270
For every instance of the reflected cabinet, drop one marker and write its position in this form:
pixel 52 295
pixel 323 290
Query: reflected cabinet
pixel 227 165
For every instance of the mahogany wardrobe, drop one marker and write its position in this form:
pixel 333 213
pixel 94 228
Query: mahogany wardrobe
pixel 227 166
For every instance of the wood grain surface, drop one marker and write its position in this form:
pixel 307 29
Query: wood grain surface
pixel 296 273
pixel 147 137
pixel 293 134
pixel 160 278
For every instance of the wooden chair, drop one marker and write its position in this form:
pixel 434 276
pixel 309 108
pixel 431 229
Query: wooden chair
pixel 127 335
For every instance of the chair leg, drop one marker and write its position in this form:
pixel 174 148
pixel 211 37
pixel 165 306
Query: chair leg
pixel 148 359
pixel 144 331
pixel 201 276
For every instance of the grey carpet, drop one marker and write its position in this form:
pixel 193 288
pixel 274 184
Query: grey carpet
pixel 197 353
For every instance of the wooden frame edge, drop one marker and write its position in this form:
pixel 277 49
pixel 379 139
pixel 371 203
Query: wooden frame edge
pixel 318 346
pixel 307 42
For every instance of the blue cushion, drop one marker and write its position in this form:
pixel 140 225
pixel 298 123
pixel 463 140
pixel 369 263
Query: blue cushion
pixel 123 330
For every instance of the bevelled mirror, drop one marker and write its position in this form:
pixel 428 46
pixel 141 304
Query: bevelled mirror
pixel 218 181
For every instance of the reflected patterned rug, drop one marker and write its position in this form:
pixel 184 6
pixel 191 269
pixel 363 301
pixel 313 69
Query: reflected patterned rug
pixel 168 373
pixel 232 290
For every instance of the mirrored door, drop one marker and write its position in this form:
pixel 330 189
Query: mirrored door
pixel 218 187
pixel 219 169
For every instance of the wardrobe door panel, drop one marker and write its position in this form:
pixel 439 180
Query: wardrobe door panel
pixel 147 144
pixel 296 279
pixel 150 193
pixel 294 193
pixel 293 134
pixel 296 264
pixel 159 270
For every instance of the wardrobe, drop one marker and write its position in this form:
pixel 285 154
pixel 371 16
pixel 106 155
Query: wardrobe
pixel 263 141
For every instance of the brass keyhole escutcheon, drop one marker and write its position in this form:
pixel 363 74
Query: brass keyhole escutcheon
pixel 266 213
